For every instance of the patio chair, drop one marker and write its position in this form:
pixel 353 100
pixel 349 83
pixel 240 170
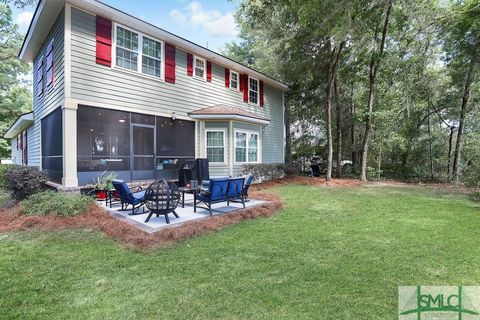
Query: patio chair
pixel 127 197
pixel 217 192
pixel 234 191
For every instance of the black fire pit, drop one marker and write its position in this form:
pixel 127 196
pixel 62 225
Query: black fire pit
pixel 162 197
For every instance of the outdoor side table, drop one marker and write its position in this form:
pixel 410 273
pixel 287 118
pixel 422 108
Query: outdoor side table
pixel 193 191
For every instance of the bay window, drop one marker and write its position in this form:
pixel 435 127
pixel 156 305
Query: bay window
pixel 253 90
pixel 215 145
pixel 137 52
pixel 246 147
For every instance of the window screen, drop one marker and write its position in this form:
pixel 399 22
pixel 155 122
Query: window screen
pixel 103 139
pixel 175 138
pixel 52 145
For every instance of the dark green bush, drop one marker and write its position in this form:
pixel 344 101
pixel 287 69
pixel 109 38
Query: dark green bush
pixel 264 172
pixel 58 203
pixel 23 181
pixel 3 168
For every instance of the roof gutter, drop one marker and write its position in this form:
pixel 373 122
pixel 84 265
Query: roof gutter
pixel 237 117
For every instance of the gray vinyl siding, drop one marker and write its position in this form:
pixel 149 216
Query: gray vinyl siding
pixel 120 89
pixel 17 152
pixel 52 97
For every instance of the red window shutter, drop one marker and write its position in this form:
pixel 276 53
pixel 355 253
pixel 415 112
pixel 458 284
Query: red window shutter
pixel 190 64
pixel 262 102
pixel 104 41
pixel 227 78
pixel 241 82
pixel 209 71
pixel 245 88
pixel 18 143
pixel 169 63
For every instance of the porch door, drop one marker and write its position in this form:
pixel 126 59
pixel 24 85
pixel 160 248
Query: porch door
pixel 143 151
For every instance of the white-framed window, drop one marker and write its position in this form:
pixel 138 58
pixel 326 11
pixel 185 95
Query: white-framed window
pixel 137 52
pixel 253 88
pixel 215 145
pixel 234 80
pixel 246 147
pixel 199 66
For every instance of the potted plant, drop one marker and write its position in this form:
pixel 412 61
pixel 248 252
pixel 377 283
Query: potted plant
pixel 103 183
pixel 100 188
pixel 109 177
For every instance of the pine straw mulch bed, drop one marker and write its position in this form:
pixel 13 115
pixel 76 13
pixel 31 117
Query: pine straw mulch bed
pixel 97 218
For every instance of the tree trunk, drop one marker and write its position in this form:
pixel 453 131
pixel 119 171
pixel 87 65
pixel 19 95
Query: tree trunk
pixel 288 136
pixel 430 146
pixel 463 114
pixel 352 128
pixel 374 62
pixel 332 70
pixel 450 140
pixel 338 172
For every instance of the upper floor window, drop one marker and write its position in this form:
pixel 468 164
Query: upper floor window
pixel 233 80
pixel 253 90
pixel 137 52
pixel 49 66
pixel 199 70
pixel 152 57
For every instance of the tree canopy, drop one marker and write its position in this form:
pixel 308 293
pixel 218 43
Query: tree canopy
pixel 391 85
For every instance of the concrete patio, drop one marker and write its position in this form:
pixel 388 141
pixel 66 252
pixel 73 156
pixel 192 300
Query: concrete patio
pixel 186 214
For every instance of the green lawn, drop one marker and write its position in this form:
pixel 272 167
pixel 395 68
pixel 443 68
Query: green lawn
pixel 329 254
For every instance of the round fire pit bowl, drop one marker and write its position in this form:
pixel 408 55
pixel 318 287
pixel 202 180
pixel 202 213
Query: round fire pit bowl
pixel 161 198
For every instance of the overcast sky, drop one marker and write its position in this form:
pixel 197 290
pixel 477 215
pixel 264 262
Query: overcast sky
pixel 200 21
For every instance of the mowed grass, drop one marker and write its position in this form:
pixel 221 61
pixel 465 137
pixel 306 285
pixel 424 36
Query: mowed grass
pixel 329 254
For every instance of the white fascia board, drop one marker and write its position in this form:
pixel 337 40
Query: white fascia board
pixel 22 123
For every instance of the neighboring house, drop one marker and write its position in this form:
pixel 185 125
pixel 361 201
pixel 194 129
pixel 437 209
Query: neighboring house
pixel 112 92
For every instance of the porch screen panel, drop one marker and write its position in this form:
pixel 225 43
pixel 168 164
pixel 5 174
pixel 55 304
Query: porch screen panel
pixel 52 145
pixel 103 139
pixel 175 144
pixel 175 138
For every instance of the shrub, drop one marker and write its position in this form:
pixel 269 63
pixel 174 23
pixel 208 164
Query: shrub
pixel 264 172
pixel 58 203
pixel 3 168
pixel 23 181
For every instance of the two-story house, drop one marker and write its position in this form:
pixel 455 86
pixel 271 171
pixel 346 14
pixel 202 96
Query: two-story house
pixel 115 93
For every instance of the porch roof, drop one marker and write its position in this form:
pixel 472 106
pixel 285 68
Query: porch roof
pixel 224 112
pixel 23 122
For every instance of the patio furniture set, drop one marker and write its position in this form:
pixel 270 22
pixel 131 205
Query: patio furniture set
pixel 162 197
